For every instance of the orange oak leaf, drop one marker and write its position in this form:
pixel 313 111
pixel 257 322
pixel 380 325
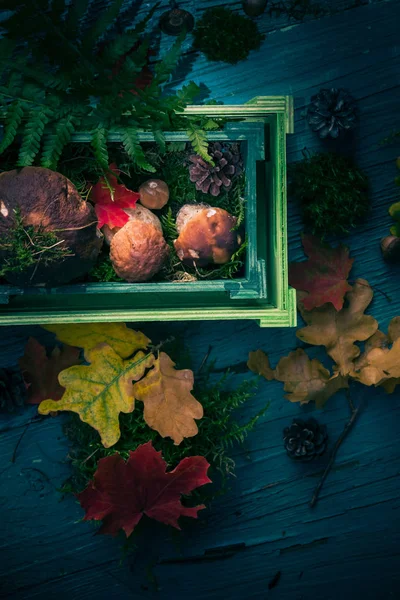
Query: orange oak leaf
pixel 380 362
pixel 323 275
pixel 108 207
pixel 169 407
pixel 41 372
pixel 307 380
pixel 338 330
pixel 258 362
pixel 122 492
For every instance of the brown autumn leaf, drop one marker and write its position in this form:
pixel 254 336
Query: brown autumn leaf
pixel 380 363
pixel 307 380
pixel 41 372
pixel 169 407
pixel 338 330
pixel 259 363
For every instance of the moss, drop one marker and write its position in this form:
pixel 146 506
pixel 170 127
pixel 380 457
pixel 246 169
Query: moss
pixel 24 247
pixel 227 36
pixel 218 430
pixel 332 191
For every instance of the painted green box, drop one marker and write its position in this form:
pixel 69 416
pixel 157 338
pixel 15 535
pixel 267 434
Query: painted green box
pixel 262 294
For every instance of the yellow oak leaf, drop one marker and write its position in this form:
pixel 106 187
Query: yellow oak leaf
pixel 100 391
pixel 338 330
pixel 259 363
pixel 307 380
pixel 123 340
pixel 169 407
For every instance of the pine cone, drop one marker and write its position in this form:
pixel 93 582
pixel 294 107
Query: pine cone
pixel 331 112
pixel 12 389
pixel 304 440
pixel 211 179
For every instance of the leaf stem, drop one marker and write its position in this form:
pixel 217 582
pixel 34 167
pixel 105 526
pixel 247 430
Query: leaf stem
pixel 347 427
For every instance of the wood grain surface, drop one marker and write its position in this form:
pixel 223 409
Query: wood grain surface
pixel 347 547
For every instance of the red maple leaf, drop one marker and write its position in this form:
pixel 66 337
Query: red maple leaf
pixel 323 275
pixel 109 210
pixel 41 372
pixel 122 492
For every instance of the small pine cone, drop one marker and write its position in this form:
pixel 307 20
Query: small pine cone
pixel 12 389
pixel 331 112
pixel 211 179
pixel 304 440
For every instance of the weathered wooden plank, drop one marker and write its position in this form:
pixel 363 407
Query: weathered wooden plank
pixel 348 545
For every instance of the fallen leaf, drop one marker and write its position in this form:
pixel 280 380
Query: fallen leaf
pixel 100 391
pixel 259 363
pixel 380 363
pixel 307 380
pixel 338 330
pixel 109 207
pixel 169 407
pixel 123 340
pixel 323 275
pixel 41 372
pixel 122 492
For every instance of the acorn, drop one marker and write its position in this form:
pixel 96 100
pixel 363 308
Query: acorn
pixel 176 20
pixel 390 246
pixel 254 8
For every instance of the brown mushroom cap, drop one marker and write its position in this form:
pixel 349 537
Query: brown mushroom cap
pixel 48 200
pixel 206 235
pixel 139 212
pixel 154 194
pixel 138 250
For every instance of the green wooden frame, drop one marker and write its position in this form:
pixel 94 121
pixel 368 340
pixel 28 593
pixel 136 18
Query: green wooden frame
pixel 263 294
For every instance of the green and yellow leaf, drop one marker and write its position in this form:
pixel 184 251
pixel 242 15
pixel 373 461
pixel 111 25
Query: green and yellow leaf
pixel 100 391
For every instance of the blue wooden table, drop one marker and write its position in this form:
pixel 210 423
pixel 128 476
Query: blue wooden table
pixel 348 545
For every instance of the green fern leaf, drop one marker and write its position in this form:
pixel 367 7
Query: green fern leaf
pixel 76 12
pixel 104 21
pixel 188 93
pixel 167 65
pixel 159 138
pixel 32 136
pixel 198 139
pixel 211 125
pixel 14 117
pixel 99 145
pixel 133 148
pixel 55 142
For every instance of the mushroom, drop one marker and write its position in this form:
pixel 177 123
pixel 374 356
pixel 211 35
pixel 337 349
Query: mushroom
pixel 49 202
pixel 154 194
pixel 138 250
pixel 206 235
pixel 138 212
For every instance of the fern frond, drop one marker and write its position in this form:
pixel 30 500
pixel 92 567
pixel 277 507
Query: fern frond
pixel 211 125
pixel 104 21
pixel 76 12
pixel 159 138
pixel 167 65
pixel 188 93
pixel 133 148
pixel 198 139
pixel 99 145
pixel 14 117
pixel 32 136
pixel 55 142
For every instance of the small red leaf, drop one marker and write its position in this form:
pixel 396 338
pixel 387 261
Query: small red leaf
pixel 109 210
pixel 122 492
pixel 41 373
pixel 323 275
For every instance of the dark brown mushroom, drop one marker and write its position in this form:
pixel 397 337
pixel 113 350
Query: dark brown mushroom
pixel 138 250
pixel 390 246
pixel 49 202
pixel 206 235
